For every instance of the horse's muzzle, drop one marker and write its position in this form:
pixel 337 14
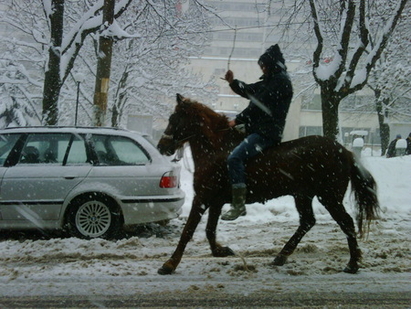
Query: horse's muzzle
pixel 166 146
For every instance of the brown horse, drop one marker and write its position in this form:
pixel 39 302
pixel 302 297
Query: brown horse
pixel 304 168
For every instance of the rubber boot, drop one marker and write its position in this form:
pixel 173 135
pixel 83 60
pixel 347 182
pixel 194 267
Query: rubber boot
pixel 237 205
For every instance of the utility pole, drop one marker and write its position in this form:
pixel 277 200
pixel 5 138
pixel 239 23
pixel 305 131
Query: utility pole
pixel 104 54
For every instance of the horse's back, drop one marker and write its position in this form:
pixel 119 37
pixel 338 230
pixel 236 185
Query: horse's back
pixel 315 149
pixel 308 164
pixel 310 141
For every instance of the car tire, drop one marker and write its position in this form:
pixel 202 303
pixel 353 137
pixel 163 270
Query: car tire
pixel 94 216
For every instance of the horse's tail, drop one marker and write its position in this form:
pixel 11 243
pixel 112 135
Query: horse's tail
pixel 364 189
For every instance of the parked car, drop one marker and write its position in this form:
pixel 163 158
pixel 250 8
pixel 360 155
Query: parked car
pixel 87 181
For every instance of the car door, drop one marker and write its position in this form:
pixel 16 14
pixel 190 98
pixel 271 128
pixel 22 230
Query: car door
pixel 49 167
pixel 124 165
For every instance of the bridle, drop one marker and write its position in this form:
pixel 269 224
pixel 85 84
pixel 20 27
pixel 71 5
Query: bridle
pixel 183 140
pixel 169 136
pixel 179 154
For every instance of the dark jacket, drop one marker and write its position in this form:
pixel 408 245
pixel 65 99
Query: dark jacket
pixel 270 100
pixel 391 148
pixel 408 150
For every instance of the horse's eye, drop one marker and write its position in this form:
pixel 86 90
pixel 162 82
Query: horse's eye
pixel 173 121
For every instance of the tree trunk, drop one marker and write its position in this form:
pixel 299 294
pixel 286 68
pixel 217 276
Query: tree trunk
pixel 329 103
pixel 384 128
pixel 115 117
pixel 120 99
pixel 103 66
pixel 52 79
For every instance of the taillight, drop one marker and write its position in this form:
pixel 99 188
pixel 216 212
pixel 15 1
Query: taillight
pixel 168 181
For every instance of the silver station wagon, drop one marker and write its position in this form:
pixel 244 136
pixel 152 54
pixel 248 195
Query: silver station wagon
pixel 90 182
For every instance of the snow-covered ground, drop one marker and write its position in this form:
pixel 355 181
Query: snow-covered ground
pixel 63 267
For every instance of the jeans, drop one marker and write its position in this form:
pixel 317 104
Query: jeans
pixel 250 147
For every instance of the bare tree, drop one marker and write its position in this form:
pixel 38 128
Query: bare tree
pixel 63 50
pixel 346 39
pixel 390 79
pixel 354 57
pixel 52 80
pixel 104 54
pixel 153 41
pixel 152 67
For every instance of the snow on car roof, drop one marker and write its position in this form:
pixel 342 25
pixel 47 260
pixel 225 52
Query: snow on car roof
pixel 104 130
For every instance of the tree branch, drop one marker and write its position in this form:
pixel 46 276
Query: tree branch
pixel 85 27
pixel 347 21
pixel 379 47
pixel 320 39
pixel 364 38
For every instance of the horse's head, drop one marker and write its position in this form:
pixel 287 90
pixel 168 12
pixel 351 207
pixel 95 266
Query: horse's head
pixel 190 120
pixel 178 130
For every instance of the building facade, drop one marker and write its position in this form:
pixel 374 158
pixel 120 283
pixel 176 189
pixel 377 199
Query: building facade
pixel 239 37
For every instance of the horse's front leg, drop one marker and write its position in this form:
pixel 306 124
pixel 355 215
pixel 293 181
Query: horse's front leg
pixel 194 218
pixel 216 249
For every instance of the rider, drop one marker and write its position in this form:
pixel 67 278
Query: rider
pixel 264 120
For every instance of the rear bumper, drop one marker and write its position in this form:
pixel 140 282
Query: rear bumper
pixel 152 209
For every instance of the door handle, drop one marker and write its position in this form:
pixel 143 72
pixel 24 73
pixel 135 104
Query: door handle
pixel 70 177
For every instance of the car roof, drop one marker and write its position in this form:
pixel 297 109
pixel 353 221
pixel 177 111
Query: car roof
pixel 69 129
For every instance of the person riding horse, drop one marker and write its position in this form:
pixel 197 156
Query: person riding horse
pixel 308 167
pixel 264 120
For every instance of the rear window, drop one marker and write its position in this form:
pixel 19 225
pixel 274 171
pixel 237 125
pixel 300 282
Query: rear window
pixel 119 150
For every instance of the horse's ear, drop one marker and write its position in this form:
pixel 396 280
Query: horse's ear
pixel 180 98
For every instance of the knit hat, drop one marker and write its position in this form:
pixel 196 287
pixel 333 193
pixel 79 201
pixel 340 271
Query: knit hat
pixel 398 136
pixel 273 58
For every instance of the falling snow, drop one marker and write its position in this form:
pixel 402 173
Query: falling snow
pixel 69 266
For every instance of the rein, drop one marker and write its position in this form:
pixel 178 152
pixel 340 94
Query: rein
pixel 180 152
pixel 169 136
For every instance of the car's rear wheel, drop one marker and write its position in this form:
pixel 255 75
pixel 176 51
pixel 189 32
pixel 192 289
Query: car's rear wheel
pixel 93 217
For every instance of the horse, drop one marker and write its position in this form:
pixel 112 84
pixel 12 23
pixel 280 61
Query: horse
pixel 303 168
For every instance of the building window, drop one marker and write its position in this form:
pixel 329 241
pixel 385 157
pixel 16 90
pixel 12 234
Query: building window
pixel 310 130
pixel 357 103
pixel 312 105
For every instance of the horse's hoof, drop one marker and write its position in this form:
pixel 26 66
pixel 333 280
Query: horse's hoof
pixel 351 269
pixel 164 270
pixel 279 260
pixel 228 251
pixel 223 252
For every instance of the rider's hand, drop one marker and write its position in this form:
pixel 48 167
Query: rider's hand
pixel 229 76
pixel 231 123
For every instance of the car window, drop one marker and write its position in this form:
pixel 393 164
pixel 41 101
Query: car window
pixel 51 148
pixel 77 154
pixel 41 148
pixel 119 150
pixel 7 142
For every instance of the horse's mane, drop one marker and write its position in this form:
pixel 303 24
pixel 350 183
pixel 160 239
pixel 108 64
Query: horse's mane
pixel 213 123
pixel 211 118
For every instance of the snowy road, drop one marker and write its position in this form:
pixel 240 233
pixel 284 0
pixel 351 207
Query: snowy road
pixel 70 272
pixel 77 273
pixel 208 282
pixel 212 300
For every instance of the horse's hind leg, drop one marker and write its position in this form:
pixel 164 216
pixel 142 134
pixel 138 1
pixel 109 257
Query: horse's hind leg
pixel 307 221
pixel 216 249
pixel 346 223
